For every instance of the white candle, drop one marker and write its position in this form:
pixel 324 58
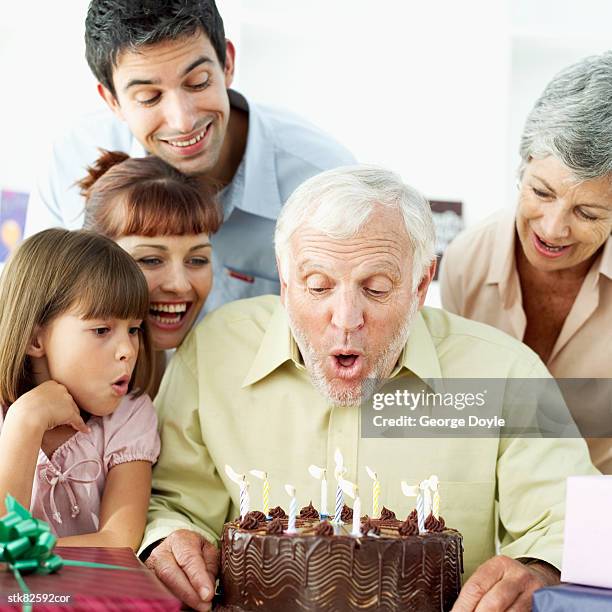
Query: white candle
pixel 420 513
pixel 242 482
pixel 320 474
pixel 292 509
pixel 434 484
pixel 245 501
pixel 339 474
pixel 357 516
pixel 352 490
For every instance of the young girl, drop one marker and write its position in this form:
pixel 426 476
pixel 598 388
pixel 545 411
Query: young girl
pixel 77 433
pixel 164 220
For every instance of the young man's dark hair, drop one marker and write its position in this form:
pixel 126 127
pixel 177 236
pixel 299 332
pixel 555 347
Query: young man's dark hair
pixel 113 26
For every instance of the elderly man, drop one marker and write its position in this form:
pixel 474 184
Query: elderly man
pixel 274 384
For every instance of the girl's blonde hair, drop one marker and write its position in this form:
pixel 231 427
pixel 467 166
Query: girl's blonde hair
pixel 56 271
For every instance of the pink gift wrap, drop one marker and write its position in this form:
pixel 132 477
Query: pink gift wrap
pixel 94 589
pixel 588 531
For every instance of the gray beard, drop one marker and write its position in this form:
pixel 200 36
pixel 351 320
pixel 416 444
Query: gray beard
pixel 382 367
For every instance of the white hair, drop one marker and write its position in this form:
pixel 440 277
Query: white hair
pixel 339 202
pixel 572 119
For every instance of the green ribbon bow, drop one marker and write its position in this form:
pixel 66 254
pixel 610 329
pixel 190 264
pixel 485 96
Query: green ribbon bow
pixel 25 542
pixel 26 545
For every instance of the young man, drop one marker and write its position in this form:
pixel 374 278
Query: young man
pixel 165 72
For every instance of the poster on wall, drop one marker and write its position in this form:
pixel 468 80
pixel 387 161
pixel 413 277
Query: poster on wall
pixel 13 206
pixel 448 219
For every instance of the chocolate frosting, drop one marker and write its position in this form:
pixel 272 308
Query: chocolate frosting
pixel 275 526
pixel 324 528
pixel 260 516
pixel 309 512
pixel 369 526
pixel 277 512
pixel 249 521
pixel 413 516
pixel 318 573
pixel 408 528
pixel 347 514
pixel 387 515
pixel 434 524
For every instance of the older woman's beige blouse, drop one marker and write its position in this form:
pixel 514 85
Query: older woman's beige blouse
pixel 479 281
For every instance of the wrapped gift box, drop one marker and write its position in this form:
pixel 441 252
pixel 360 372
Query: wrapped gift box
pixel 572 597
pixel 93 588
pixel 588 531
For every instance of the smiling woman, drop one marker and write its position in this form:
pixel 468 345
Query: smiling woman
pixel 164 220
pixel 543 273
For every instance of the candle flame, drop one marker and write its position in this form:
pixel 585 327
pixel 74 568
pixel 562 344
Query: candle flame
pixel 371 473
pixel 290 490
pixel 349 488
pixel 259 474
pixel 234 476
pixel 409 491
pixel 316 471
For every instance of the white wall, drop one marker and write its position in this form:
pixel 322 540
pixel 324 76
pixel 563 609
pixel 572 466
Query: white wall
pixel 438 91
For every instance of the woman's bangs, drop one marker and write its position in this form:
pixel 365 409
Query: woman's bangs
pixel 164 209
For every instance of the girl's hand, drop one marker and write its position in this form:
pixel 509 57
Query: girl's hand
pixel 50 405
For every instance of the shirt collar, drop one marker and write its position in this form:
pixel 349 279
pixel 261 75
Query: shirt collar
pixel 502 258
pixel 278 346
pixel 605 264
pixel 260 194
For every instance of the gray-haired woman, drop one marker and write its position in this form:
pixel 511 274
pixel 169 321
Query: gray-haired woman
pixel 543 272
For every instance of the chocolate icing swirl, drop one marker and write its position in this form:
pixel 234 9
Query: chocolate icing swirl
pixel 275 526
pixel 434 524
pixel 347 514
pixel 370 526
pixel 387 515
pixel 309 512
pixel 324 528
pixel 408 528
pixel 277 512
pixel 249 521
pixel 260 516
pixel 413 516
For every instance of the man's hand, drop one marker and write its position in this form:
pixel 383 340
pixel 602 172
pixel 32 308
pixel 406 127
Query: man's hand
pixel 501 583
pixel 188 565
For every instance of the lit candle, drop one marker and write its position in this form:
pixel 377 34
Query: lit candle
pixel 292 509
pixel 421 505
pixel 352 490
pixel 434 484
pixel 242 482
pixel 375 492
pixel 265 490
pixel 321 474
pixel 426 492
pixel 339 473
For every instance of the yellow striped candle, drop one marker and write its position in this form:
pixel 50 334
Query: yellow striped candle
pixel 266 489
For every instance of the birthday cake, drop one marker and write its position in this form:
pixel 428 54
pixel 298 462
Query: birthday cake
pixel 323 565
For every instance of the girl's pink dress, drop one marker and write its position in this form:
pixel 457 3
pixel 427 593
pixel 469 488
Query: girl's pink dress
pixel 68 487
